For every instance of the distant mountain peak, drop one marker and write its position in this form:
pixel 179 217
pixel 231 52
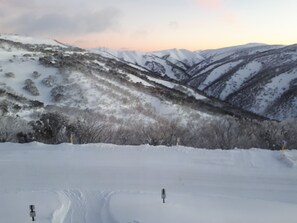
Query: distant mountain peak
pixel 171 63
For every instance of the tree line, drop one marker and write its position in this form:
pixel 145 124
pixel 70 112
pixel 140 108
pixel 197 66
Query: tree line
pixel 216 133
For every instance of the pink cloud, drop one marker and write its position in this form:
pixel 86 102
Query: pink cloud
pixel 210 4
pixel 231 17
pixel 219 8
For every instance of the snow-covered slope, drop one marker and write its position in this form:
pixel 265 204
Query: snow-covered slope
pixel 37 75
pixel 261 79
pixel 255 77
pixel 187 57
pixel 30 40
pixel 107 183
pixel 169 63
pixel 250 48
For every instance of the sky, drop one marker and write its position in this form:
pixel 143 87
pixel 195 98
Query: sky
pixel 150 25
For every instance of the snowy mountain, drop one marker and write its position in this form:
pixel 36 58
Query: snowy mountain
pixel 107 183
pixel 176 56
pixel 54 93
pixel 42 73
pixel 42 80
pixel 255 77
pixel 168 63
pixel 261 79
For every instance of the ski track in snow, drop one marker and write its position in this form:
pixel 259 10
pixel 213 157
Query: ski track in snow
pixel 81 207
pixel 60 214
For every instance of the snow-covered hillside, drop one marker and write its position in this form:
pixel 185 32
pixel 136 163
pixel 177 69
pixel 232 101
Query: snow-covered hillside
pixel 134 105
pixel 108 184
pixel 36 73
pixel 46 86
pixel 169 63
pixel 39 75
pixel 258 78
pixel 250 48
pixel 176 56
pixel 31 40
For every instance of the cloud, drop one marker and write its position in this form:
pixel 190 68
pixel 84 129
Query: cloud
pixel 63 24
pixel 231 17
pixel 174 25
pixel 140 34
pixel 219 8
pixel 18 3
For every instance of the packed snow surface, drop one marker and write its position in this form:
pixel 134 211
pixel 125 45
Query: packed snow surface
pixel 107 183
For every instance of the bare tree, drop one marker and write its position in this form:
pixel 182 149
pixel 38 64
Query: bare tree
pixel 51 128
pixel 10 126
